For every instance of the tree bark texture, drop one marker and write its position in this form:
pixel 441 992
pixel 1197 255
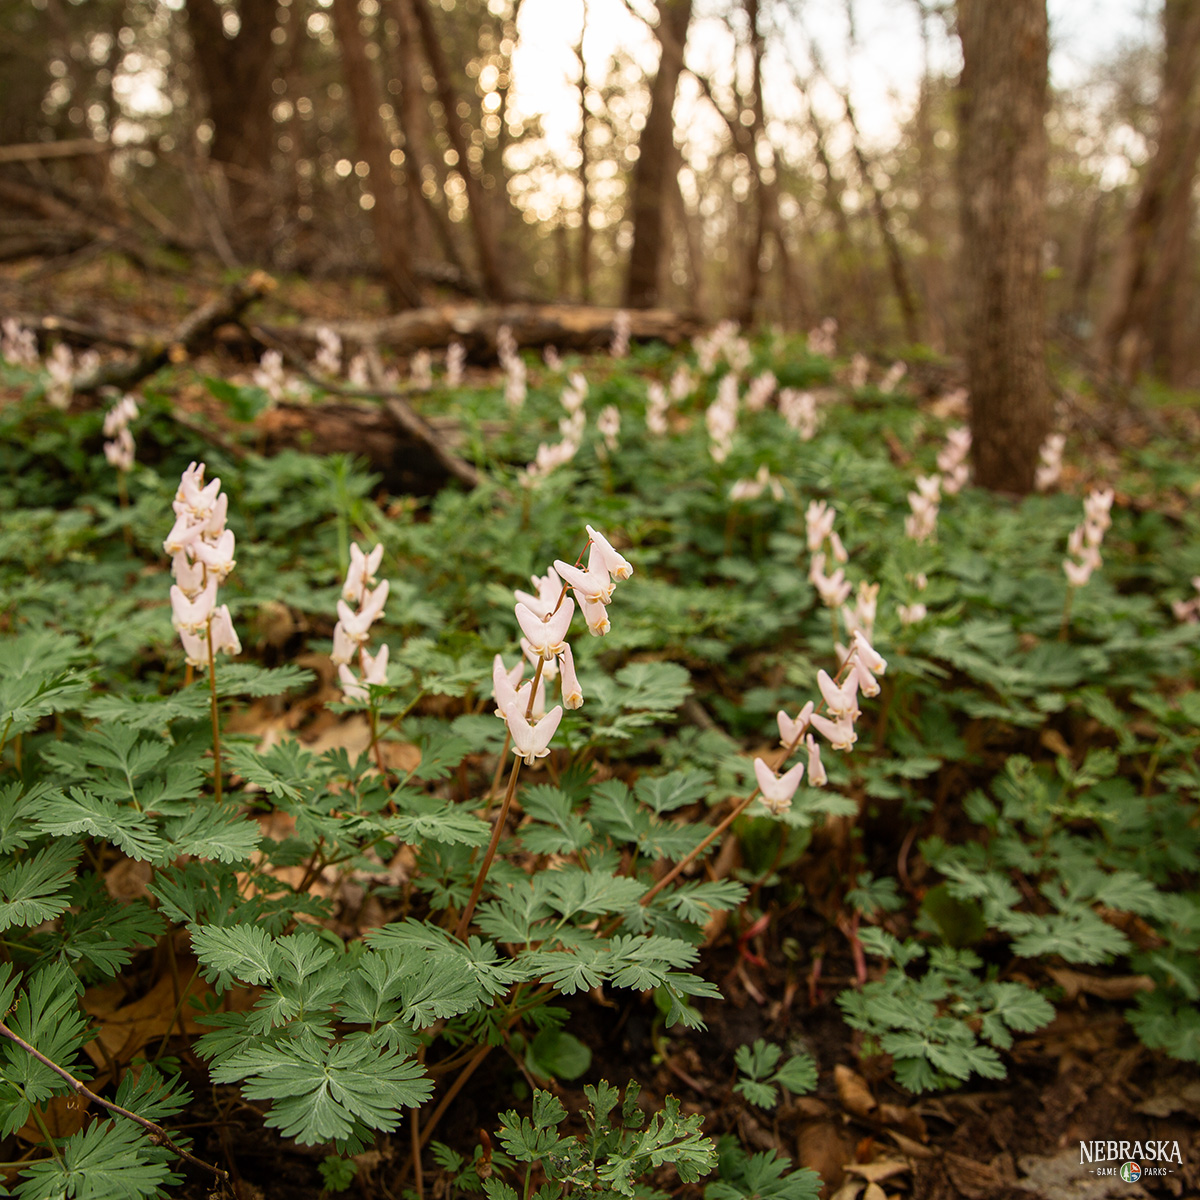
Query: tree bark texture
pixel 1002 189
pixel 236 74
pixel 490 269
pixel 366 99
pixel 657 161
pixel 1143 266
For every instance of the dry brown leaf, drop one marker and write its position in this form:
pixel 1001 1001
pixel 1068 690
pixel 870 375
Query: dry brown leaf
pixel 877 1172
pixel 897 1116
pixel 850 1190
pixel 62 1116
pixel 874 1192
pixel 126 1029
pixel 853 1091
pixel 912 1148
pixel 128 879
pixel 821 1147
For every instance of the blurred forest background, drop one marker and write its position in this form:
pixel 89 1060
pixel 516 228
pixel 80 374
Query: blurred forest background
pixel 713 162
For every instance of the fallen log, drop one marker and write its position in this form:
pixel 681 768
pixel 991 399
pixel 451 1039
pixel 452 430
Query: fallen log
pixel 195 329
pixel 565 326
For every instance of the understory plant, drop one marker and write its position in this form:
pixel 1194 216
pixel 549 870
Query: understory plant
pixel 523 809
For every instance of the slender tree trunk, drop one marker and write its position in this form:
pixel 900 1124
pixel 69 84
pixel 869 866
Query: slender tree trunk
pixel 236 74
pixel 1002 186
pixel 494 281
pixel 387 214
pixel 412 115
pixel 657 161
pixel 754 247
pixel 585 202
pixel 1122 337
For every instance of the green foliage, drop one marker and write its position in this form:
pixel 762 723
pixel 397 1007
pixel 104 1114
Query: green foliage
pixel 1065 770
pixel 759 1070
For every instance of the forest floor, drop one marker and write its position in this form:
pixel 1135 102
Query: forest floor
pixel 938 795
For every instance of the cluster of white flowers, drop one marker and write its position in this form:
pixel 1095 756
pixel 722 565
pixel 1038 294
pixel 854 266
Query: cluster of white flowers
pixel 895 373
pixel 515 380
pixel 608 426
pixel 861 618
pixel 840 700
pixel 421 369
pixel 724 342
pixel 1188 610
pixel 833 589
pixel 329 353
pixel 270 376
pixel 550 456
pixel 682 383
pixel 658 404
pixel 119 449
pixel 353 629
pixel 552 358
pixel 456 360
pixel 921 523
pixel 799 410
pixel 859 371
pixel 721 418
pixel 952 460
pixel 622 328
pixel 1083 545
pixel 751 489
pixel 545 618
pixel 358 373
pixel 910 614
pixel 760 391
pixel 17 344
pixel 60 366
pixel 823 339
pixel 1049 468
pixel 201 551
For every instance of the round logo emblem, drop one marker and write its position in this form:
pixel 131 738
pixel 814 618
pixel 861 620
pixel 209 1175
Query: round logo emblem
pixel 1130 1172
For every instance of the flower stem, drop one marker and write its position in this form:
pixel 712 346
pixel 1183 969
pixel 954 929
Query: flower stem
pixel 464 922
pixel 216 723
pixel 158 1135
pixel 1065 628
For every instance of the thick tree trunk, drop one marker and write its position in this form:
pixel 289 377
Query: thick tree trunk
pixel 387 213
pixel 657 161
pixel 1002 182
pixel 236 74
pixel 1142 270
pixel 490 269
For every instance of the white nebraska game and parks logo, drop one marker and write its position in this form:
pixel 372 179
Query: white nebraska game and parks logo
pixel 1130 1161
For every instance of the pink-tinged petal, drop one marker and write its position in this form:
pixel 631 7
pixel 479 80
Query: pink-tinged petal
pixel 596 616
pixel 777 790
pixel 790 730
pixel 195 648
pixel 355 625
pixel 352 691
pixel 869 656
pixel 539 700
pixel 373 602
pixel 533 627
pixel 865 679
pixel 572 693
pixel 224 637
pixel 816 769
pixel 375 669
pixel 839 734
pixel 344 646
pixel 184 533
pixel 188 575
pixel 504 687
pixel 192 615
pixel 594 584
pixel 535 604
pixel 617 565
pixel 532 741
pixel 216 519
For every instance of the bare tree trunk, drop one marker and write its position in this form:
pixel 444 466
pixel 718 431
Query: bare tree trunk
pixel 930 264
pixel 758 235
pixel 585 202
pixel 236 74
pixel 1122 336
pixel 412 115
pixel 387 214
pixel 1002 182
pixel 494 281
pixel 657 161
